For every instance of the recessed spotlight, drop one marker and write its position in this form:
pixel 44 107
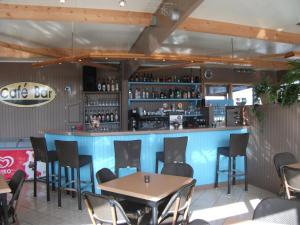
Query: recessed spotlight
pixel 122 3
pixel 79 60
pixel 279 29
pixel 59 63
pixel 163 60
pixel 106 58
pixel 192 61
pixel 135 59
pixel 62 1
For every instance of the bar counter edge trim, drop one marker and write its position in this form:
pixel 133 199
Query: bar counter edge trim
pixel 121 133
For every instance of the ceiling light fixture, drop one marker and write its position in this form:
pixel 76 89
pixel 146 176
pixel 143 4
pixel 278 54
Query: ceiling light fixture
pixel 62 1
pixel 122 3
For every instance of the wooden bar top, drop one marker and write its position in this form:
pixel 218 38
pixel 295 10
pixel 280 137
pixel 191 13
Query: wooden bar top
pixel 121 133
pixel 159 187
pixel 4 188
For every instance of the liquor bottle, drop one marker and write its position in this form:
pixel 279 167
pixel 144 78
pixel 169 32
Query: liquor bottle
pixel 112 117
pixel 117 86
pixel 116 116
pixel 99 86
pixel 103 117
pixel 107 117
pixel 112 85
pixel 147 93
pixel 130 94
pixel 192 79
pixel 103 86
pixel 108 85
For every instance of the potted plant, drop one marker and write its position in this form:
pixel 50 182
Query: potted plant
pixel 265 91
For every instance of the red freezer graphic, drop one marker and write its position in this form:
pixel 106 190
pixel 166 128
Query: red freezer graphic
pixel 12 160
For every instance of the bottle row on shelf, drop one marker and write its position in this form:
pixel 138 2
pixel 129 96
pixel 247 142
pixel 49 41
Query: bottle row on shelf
pixel 108 85
pixel 96 117
pixel 138 93
pixel 144 77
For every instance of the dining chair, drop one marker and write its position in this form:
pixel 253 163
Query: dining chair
pixel 176 210
pixel 133 210
pixel 174 151
pixel 291 179
pixel 15 184
pixel 281 159
pixel 178 169
pixel 104 210
pixel 127 154
pixel 277 211
pixel 237 147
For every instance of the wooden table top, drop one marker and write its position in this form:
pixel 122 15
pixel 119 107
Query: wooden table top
pixel 294 165
pixel 159 187
pixel 4 188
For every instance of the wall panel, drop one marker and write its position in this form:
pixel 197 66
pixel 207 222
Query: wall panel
pixel 24 122
pixel 278 132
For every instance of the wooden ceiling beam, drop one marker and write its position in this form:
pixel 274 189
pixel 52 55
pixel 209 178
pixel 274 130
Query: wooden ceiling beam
pixel 48 52
pixel 66 14
pixel 223 28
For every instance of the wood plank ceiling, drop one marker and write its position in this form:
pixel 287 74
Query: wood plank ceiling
pixel 72 33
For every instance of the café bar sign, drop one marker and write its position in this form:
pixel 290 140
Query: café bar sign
pixel 26 94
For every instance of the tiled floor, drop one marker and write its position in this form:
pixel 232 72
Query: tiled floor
pixel 213 205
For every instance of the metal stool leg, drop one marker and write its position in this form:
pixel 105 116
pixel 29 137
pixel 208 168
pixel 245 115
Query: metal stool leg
pixel 34 177
pixel 67 179
pixel 217 170
pixel 246 172
pixel 233 170
pixel 229 175
pixel 92 176
pixel 53 179
pixel 47 182
pixel 78 189
pixel 73 182
pixel 59 187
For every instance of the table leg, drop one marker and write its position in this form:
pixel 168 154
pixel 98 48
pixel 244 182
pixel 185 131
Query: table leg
pixel 154 215
pixel 3 197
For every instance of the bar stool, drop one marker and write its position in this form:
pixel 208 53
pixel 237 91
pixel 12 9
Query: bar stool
pixel 127 154
pixel 42 154
pixel 174 151
pixel 68 157
pixel 237 147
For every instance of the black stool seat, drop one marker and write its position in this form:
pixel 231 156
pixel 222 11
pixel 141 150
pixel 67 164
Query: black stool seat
pixel 84 160
pixel 198 222
pixel 237 147
pixel 42 154
pixel 68 157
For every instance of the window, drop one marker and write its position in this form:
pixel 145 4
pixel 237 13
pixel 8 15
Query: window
pixel 242 94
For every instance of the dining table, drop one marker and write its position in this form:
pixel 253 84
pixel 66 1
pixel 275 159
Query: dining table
pixel 146 188
pixel 4 189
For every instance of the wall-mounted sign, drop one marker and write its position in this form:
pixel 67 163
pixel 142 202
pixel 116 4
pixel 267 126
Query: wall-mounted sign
pixel 26 94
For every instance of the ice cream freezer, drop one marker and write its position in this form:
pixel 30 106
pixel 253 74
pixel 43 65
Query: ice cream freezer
pixel 18 154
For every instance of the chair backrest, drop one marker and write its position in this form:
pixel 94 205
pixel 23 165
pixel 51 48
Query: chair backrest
pixel 39 148
pixel 277 210
pixel 105 175
pixel 174 149
pixel 179 204
pixel 67 152
pixel 178 169
pixel 282 159
pixel 291 177
pixel 104 209
pixel 16 184
pixel 127 153
pixel 238 144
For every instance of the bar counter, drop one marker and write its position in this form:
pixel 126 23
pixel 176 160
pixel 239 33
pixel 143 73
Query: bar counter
pixel 200 153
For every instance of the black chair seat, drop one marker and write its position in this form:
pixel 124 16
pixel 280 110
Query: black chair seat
pixel 223 151
pixel 198 222
pixel 52 156
pixel 84 160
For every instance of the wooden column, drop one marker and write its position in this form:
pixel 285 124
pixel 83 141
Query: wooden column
pixel 124 96
pixel 229 91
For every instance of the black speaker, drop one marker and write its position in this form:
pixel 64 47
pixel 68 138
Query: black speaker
pixel 89 77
